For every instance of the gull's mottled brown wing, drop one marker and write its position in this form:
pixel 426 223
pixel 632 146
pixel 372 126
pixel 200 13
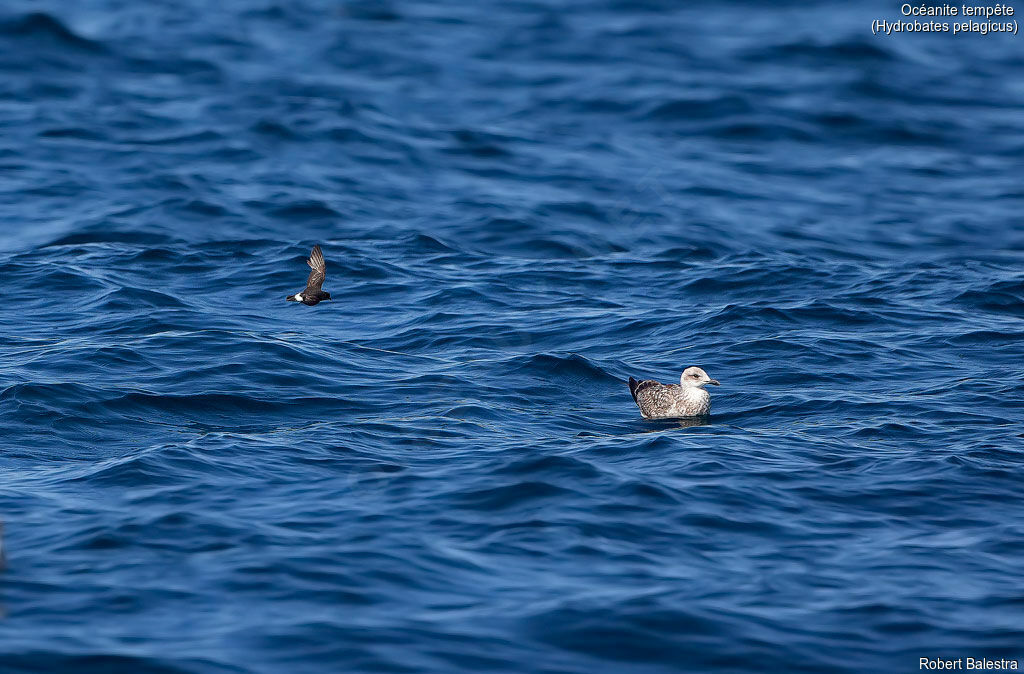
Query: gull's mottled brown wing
pixel 653 398
pixel 635 387
pixel 319 267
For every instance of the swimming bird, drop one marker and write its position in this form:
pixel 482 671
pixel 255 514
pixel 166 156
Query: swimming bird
pixel 665 401
pixel 312 294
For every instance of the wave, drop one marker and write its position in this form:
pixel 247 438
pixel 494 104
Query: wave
pixel 45 31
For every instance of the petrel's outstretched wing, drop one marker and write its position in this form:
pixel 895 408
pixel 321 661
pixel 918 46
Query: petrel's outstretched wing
pixel 319 267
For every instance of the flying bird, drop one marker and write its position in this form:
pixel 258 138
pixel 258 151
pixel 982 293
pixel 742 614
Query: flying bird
pixel 667 401
pixel 312 294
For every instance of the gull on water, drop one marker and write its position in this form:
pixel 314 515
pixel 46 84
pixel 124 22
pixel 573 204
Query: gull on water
pixel 666 401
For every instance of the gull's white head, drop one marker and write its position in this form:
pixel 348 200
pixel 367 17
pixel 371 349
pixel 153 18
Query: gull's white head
pixel 696 377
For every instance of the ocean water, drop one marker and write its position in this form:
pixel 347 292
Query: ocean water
pixel 521 204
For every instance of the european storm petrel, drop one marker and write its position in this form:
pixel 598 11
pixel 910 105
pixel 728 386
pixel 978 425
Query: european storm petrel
pixel 312 294
pixel 664 401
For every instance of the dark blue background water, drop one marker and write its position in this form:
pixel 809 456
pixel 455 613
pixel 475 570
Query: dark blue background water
pixel 521 204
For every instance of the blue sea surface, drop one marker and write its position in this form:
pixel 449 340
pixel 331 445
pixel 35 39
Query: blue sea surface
pixel 521 205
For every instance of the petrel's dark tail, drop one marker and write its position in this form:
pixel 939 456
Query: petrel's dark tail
pixel 633 383
pixel 291 298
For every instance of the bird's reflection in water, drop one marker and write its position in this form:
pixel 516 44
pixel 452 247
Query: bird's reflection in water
pixel 680 422
pixel 651 426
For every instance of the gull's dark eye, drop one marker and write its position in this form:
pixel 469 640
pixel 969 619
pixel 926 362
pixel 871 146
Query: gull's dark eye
pixel 695 376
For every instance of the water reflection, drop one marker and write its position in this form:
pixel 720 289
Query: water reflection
pixel 659 425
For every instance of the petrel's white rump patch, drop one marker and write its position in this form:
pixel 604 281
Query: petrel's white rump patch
pixel 298 297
